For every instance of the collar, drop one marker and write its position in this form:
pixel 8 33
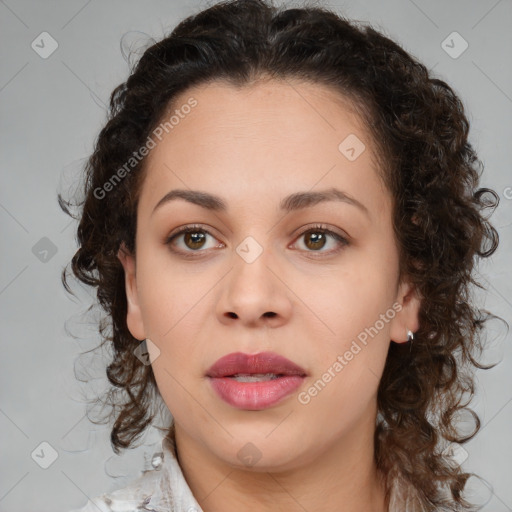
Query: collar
pixel 162 488
pixel 171 491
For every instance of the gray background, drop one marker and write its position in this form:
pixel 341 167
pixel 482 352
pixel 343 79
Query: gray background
pixel 51 111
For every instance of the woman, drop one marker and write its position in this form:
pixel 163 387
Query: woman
pixel 283 211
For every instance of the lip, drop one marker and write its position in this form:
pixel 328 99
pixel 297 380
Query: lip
pixel 264 362
pixel 255 395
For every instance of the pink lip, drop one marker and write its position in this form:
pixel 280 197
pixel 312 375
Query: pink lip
pixel 255 395
pixel 264 362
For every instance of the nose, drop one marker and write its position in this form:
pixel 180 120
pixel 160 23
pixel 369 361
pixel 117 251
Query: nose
pixel 255 293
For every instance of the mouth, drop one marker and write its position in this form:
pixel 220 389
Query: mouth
pixel 256 377
pixel 255 382
pixel 254 368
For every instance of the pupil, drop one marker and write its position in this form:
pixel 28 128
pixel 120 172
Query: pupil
pixel 195 237
pixel 316 238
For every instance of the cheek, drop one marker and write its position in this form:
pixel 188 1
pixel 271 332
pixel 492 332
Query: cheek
pixel 173 389
pixel 351 357
pixel 357 312
pixel 178 368
pixel 357 298
pixel 168 297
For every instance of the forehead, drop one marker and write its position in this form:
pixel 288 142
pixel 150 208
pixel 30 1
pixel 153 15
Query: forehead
pixel 271 138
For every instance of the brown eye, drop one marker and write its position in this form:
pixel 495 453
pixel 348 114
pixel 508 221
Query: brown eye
pixel 194 239
pixel 316 238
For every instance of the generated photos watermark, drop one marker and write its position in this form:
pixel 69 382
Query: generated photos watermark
pixel 137 156
pixel 304 397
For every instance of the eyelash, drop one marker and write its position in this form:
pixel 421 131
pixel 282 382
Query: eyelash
pixel 318 228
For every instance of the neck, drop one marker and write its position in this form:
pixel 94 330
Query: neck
pixel 342 476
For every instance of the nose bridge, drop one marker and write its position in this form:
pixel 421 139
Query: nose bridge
pixel 252 262
pixel 254 248
pixel 252 290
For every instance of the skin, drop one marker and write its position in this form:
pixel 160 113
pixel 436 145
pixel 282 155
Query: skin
pixel 253 146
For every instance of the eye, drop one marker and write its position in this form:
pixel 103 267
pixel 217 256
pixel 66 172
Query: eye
pixel 317 237
pixel 194 238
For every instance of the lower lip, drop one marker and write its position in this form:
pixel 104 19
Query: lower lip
pixel 255 396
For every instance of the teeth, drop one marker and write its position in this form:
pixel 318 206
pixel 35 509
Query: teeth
pixel 256 377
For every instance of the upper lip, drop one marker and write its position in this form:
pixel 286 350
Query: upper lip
pixel 264 362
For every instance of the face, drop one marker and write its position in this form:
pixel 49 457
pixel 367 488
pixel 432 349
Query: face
pixel 316 282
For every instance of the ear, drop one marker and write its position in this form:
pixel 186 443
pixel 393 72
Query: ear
pixel 407 305
pixel 133 315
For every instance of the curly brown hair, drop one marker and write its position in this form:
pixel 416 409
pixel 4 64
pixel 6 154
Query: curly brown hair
pixel 431 170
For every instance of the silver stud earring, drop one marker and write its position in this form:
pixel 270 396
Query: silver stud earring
pixel 410 337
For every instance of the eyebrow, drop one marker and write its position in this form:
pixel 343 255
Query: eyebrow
pixel 296 201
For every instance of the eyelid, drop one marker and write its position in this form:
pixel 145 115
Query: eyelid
pixel 326 228
pixel 189 227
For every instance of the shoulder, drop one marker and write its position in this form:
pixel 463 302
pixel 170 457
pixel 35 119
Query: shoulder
pixel 136 496
pixel 160 488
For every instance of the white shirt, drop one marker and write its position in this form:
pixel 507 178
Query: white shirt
pixel 163 489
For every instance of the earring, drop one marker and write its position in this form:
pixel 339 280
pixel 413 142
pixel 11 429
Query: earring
pixel 410 337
